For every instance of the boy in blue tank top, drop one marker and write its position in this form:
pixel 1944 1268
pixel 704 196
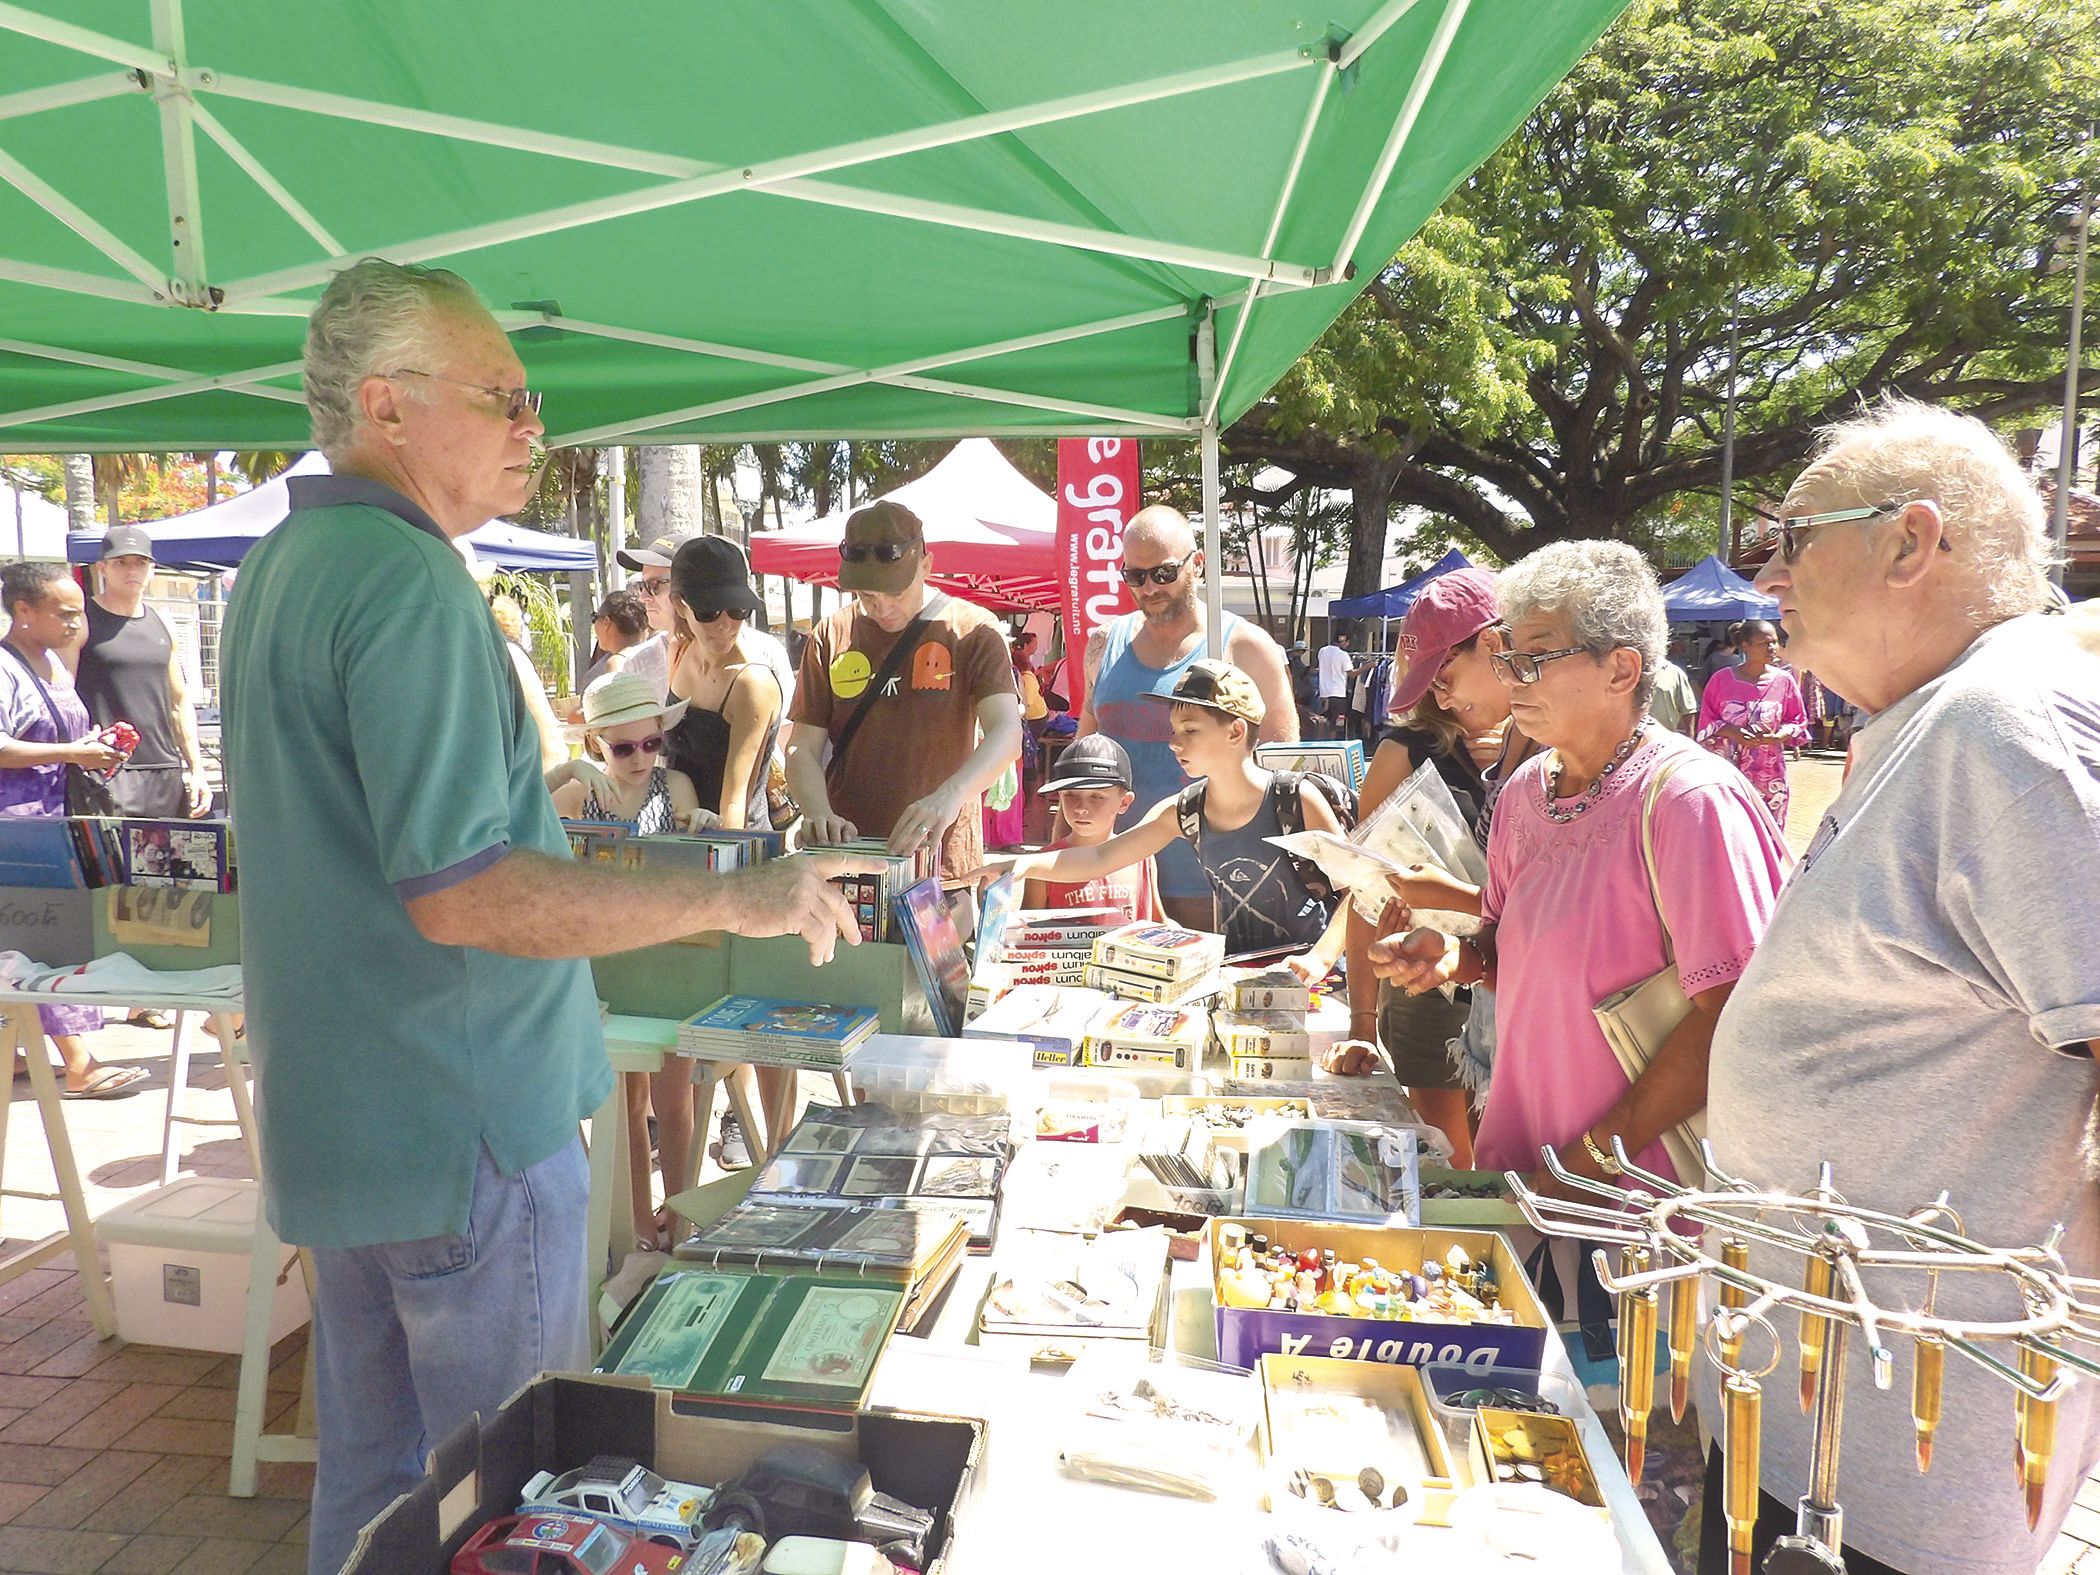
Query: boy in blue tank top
pixel 1264 905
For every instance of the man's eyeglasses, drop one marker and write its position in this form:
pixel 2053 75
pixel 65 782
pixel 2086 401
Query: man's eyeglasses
pixel 738 613
pixel 879 551
pixel 652 588
pixel 652 745
pixel 1794 526
pixel 1158 574
pixel 1523 666
pixel 516 401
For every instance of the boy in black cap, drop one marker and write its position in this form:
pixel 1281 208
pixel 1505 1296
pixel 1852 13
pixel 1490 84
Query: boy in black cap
pixel 1262 903
pixel 1092 783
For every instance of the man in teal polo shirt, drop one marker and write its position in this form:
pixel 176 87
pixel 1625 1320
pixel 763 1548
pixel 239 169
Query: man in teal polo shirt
pixel 426 1035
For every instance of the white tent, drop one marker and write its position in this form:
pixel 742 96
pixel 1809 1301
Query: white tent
pixel 31 526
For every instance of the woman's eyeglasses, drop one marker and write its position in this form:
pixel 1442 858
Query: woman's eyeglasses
pixel 1523 666
pixel 880 551
pixel 738 613
pixel 516 401
pixel 624 750
pixel 1158 574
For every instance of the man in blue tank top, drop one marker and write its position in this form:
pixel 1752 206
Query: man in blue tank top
pixel 1144 654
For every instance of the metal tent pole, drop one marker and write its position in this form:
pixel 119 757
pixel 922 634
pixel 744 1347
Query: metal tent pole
pixel 1213 554
pixel 2067 434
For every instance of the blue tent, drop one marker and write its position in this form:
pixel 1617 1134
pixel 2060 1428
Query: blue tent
pixel 1394 600
pixel 1710 591
pixel 219 536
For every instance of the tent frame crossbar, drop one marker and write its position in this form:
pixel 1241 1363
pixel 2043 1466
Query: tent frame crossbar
pixel 178 148
pixel 64 95
pixel 1426 74
pixel 248 382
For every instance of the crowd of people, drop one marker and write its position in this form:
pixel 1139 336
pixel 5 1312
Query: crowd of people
pixel 1915 998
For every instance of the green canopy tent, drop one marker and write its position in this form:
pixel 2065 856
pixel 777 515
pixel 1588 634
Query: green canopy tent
pixel 741 221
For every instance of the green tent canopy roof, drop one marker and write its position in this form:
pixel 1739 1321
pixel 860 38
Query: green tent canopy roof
pixel 737 220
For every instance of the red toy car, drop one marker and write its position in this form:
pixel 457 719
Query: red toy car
pixel 561 1545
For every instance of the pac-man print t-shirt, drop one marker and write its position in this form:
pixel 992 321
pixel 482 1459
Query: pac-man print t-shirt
pixel 922 725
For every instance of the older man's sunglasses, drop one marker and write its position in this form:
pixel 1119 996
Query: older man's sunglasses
pixel 1793 527
pixel 516 401
pixel 1158 574
pixel 879 551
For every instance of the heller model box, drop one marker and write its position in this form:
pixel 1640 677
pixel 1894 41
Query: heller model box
pixel 1053 1019
pixel 1245 1335
pixel 179 1261
pixel 1278 1036
pixel 557 1423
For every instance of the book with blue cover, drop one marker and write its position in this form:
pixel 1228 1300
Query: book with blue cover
pixel 770 1032
pixel 937 952
pixel 37 850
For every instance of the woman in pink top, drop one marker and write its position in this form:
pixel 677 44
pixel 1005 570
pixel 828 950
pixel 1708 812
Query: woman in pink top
pixel 1750 715
pixel 1567 918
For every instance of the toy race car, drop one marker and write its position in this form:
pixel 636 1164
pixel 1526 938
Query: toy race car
pixel 562 1545
pixel 798 1490
pixel 625 1495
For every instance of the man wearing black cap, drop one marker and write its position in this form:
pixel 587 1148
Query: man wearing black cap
pixel 131 672
pixel 913 693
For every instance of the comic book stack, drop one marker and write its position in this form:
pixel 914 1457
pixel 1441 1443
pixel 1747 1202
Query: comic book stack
pixel 766 1032
pixel 1157 963
pixel 1260 1024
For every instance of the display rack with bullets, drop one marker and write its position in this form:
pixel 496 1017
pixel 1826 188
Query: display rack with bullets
pixel 1671 1239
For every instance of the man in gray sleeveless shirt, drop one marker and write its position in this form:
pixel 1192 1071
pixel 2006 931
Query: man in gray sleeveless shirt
pixel 1922 1009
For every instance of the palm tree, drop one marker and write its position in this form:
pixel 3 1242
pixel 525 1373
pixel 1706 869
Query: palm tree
pixel 256 466
pixel 112 473
pixel 80 491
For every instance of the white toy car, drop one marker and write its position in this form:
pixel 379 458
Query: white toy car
pixel 623 1494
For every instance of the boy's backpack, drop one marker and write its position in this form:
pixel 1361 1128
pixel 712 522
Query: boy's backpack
pixel 1290 816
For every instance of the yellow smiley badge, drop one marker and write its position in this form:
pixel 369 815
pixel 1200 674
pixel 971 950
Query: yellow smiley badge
pixel 850 672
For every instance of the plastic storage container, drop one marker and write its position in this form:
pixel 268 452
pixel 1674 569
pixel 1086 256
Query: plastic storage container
pixel 1448 1381
pixel 179 1261
pixel 956 1077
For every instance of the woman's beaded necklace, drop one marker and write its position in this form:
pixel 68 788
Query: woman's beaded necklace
pixel 1561 816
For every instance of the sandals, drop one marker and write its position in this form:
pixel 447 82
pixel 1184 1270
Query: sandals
pixel 108 1082
pixel 147 1017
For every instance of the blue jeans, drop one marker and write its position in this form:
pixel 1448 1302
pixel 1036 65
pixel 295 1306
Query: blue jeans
pixel 412 1338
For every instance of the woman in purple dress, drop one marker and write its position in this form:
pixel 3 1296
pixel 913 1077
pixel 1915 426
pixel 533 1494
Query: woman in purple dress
pixel 43 732
pixel 1752 715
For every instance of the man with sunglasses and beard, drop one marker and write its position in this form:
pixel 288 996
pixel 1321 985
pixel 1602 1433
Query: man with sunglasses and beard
pixel 1142 655
pixel 905 710
pixel 425 1030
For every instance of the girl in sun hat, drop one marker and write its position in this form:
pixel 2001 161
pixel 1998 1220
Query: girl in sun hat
pixel 623 776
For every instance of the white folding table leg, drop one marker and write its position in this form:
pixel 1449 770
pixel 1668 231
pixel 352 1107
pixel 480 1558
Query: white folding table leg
pixel 28 1031
pixel 607 1170
pixel 178 1087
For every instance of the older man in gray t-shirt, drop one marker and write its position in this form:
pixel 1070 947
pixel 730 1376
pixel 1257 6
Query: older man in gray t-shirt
pixel 1922 1009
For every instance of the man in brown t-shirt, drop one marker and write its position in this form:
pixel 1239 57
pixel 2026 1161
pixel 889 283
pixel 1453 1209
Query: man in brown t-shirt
pixel 933 734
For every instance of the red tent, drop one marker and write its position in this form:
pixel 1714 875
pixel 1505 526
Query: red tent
pixel 991 532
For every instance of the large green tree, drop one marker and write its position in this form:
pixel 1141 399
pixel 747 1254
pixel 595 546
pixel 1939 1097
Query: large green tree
pixel 1865 190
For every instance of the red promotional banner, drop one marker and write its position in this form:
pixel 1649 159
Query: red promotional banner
pixel 1097 492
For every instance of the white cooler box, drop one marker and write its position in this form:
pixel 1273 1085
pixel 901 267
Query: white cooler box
pixel 179 1259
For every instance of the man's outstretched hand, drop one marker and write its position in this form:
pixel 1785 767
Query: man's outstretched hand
pixel 794 896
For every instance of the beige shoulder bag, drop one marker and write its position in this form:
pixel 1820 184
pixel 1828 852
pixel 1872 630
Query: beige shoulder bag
pixel 1638 1020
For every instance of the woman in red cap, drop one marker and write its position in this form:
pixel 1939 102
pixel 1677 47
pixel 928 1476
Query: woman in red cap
pixel 1453 713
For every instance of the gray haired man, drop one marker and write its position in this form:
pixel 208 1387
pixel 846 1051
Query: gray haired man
pixel 1923 1007
pixel 426 1034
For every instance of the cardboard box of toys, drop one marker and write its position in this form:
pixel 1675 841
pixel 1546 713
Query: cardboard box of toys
pixel 558 1423
pixel 1246 1334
